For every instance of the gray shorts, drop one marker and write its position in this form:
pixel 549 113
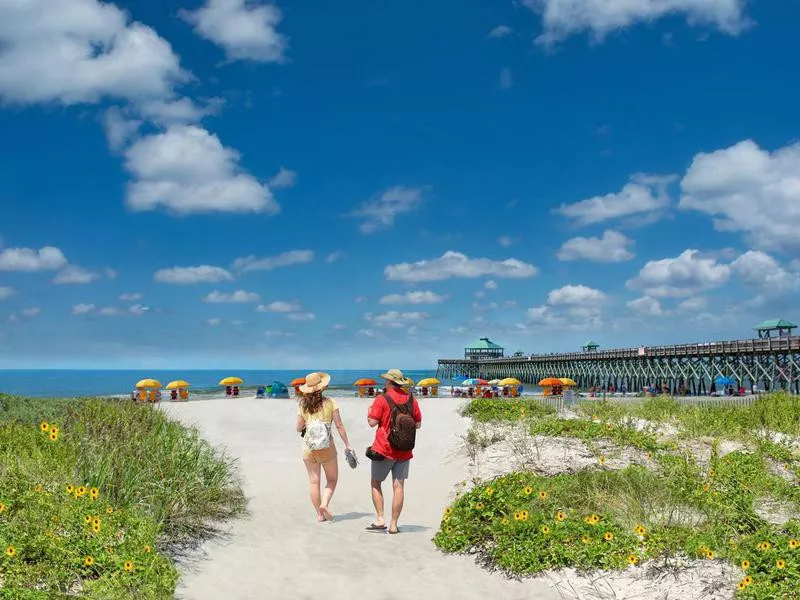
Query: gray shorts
pixel 382 468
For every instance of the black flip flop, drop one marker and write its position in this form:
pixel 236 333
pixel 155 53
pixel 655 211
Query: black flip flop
pixel 374 527
pixel 394 532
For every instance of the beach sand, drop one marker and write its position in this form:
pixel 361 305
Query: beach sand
pixel 280 551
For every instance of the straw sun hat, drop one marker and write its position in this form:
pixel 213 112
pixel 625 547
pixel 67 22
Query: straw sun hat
pixel 396 376
pixel 315 382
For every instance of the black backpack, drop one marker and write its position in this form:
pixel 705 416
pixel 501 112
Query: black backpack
pixel 402 426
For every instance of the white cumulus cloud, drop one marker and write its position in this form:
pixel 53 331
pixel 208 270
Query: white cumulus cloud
pixel 380 212
pixel 73 274
pixel 500 31
pixel 396 319
pixel 284 178
pixel 684 275
pixel 27 259
pixel 301 316
pixel 562 18
pixel 454 264
pixel 245 29
pixel 646 306
pixel 279 306
pixel 748 190
pixel 611 247
pixel 79 51
pixel 189 275
pixel 415 297
pixel 246 264
pixel 186 170
pixel 237 297
pixel 575 295
pixel 83 309
pixel 644 197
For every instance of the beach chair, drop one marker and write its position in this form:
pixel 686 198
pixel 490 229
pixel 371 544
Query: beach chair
pixel 471 392
pixel 228 390
pixel 424 391
pixel 236 390
pixel 184 394
pixel 261 392
pixel 173 395
pixel 152 396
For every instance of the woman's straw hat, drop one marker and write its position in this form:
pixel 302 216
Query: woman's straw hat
pixel 396 376
pixel 315 382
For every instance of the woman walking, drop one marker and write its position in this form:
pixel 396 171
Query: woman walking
pixel 315 415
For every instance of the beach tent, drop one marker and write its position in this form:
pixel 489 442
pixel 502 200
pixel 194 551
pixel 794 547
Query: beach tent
pixel 366 386
pixel 552 386
pixel 429 382
pixel 296 383
pixel 278 390
pixel 231 385
pixel 181 388
pixel 148 390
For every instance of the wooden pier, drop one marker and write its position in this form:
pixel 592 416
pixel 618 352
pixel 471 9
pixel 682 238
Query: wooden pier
pixel 771 363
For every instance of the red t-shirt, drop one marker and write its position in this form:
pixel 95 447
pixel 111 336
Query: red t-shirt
pixel 381 412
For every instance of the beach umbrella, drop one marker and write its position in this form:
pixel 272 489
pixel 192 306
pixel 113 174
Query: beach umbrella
pixel 231 381
pixel 550 381
pixel 365 382
pixel 429 381
pixel 724 381
pixel 297 382
pixel 473 382
pixel 494 382
pixel 180 383
pixel 567 381
pixel 509 381
pixel 148 383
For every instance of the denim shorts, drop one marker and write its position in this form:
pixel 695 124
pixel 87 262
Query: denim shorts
pixel 382 468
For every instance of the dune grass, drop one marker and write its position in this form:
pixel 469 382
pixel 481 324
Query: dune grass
pixel 97 497
pixel 675 505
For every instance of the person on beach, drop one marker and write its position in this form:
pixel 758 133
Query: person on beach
pixel 315 414
pixel 397 416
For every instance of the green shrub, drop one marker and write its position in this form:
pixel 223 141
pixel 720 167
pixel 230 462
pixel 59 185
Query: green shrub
pixel 94 500
pixel 498 409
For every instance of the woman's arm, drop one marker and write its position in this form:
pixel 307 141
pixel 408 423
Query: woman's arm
pixel 337 419
pixel 301 422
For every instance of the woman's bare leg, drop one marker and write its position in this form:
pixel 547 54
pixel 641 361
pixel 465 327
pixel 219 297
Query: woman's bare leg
pixel 313 469
pixel 331 478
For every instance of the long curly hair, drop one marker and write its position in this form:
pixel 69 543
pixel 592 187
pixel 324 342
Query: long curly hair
pixel 312 403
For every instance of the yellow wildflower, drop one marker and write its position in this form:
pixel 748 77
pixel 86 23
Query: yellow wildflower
pixel 632 559
pixel 147 548
pixel 11 551
pixel 110 510
pixel 523 515
pixel 489 491
pixel 781 564
pixel 601 459
pixel 586 539
pixel 94 493
pixel 745 564
pixel 640 530
pixel 545 529
pixel 709 554
pixel 38 488
pixel 748 580
pixel 81 491
pixel 53 437
pixel 44 426
pixel 87 519
pixel 528 490
pixel 608 536
pixel 128 566
pixel 560 516
pixel 542 495
pixel 794 544
pixel 764 546
pixel 70 488
pixel 88 561
pixel 2 507
pixel 479 506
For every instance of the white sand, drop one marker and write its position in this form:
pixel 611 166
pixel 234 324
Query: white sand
pixel 280 551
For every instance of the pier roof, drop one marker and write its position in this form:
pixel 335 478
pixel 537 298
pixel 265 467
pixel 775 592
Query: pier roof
pixel 485 344
pixel 775 324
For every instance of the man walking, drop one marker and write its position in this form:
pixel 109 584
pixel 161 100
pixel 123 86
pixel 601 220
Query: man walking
pixel 397 417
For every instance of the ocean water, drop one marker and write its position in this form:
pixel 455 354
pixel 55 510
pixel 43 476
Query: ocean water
pixel 58 383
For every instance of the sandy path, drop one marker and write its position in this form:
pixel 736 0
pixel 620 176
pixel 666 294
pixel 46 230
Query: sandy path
pixel 280 551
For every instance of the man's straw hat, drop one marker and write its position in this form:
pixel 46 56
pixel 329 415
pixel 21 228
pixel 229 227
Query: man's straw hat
pixel 396 376
pixel 315 382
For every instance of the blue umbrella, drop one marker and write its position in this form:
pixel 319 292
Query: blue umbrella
pixel 725 381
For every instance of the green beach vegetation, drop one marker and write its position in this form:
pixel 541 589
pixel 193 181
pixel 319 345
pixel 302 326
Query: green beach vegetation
pixel 709 483
pixel 98 497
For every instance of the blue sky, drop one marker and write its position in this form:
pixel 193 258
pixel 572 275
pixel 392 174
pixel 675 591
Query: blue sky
pixel 304 185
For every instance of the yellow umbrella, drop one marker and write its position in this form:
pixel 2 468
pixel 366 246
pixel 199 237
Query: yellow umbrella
pixel 180 383
pixel 429 382
pixel 510 381
pixel 567 381
pixel 148 383
pixel 231 381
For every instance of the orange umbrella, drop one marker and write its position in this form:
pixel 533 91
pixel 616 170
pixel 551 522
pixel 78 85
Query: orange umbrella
pixel 298 381
pixel 364 382
pixel 550 381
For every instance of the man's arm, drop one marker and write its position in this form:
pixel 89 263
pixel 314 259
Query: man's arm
pixel 372 412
